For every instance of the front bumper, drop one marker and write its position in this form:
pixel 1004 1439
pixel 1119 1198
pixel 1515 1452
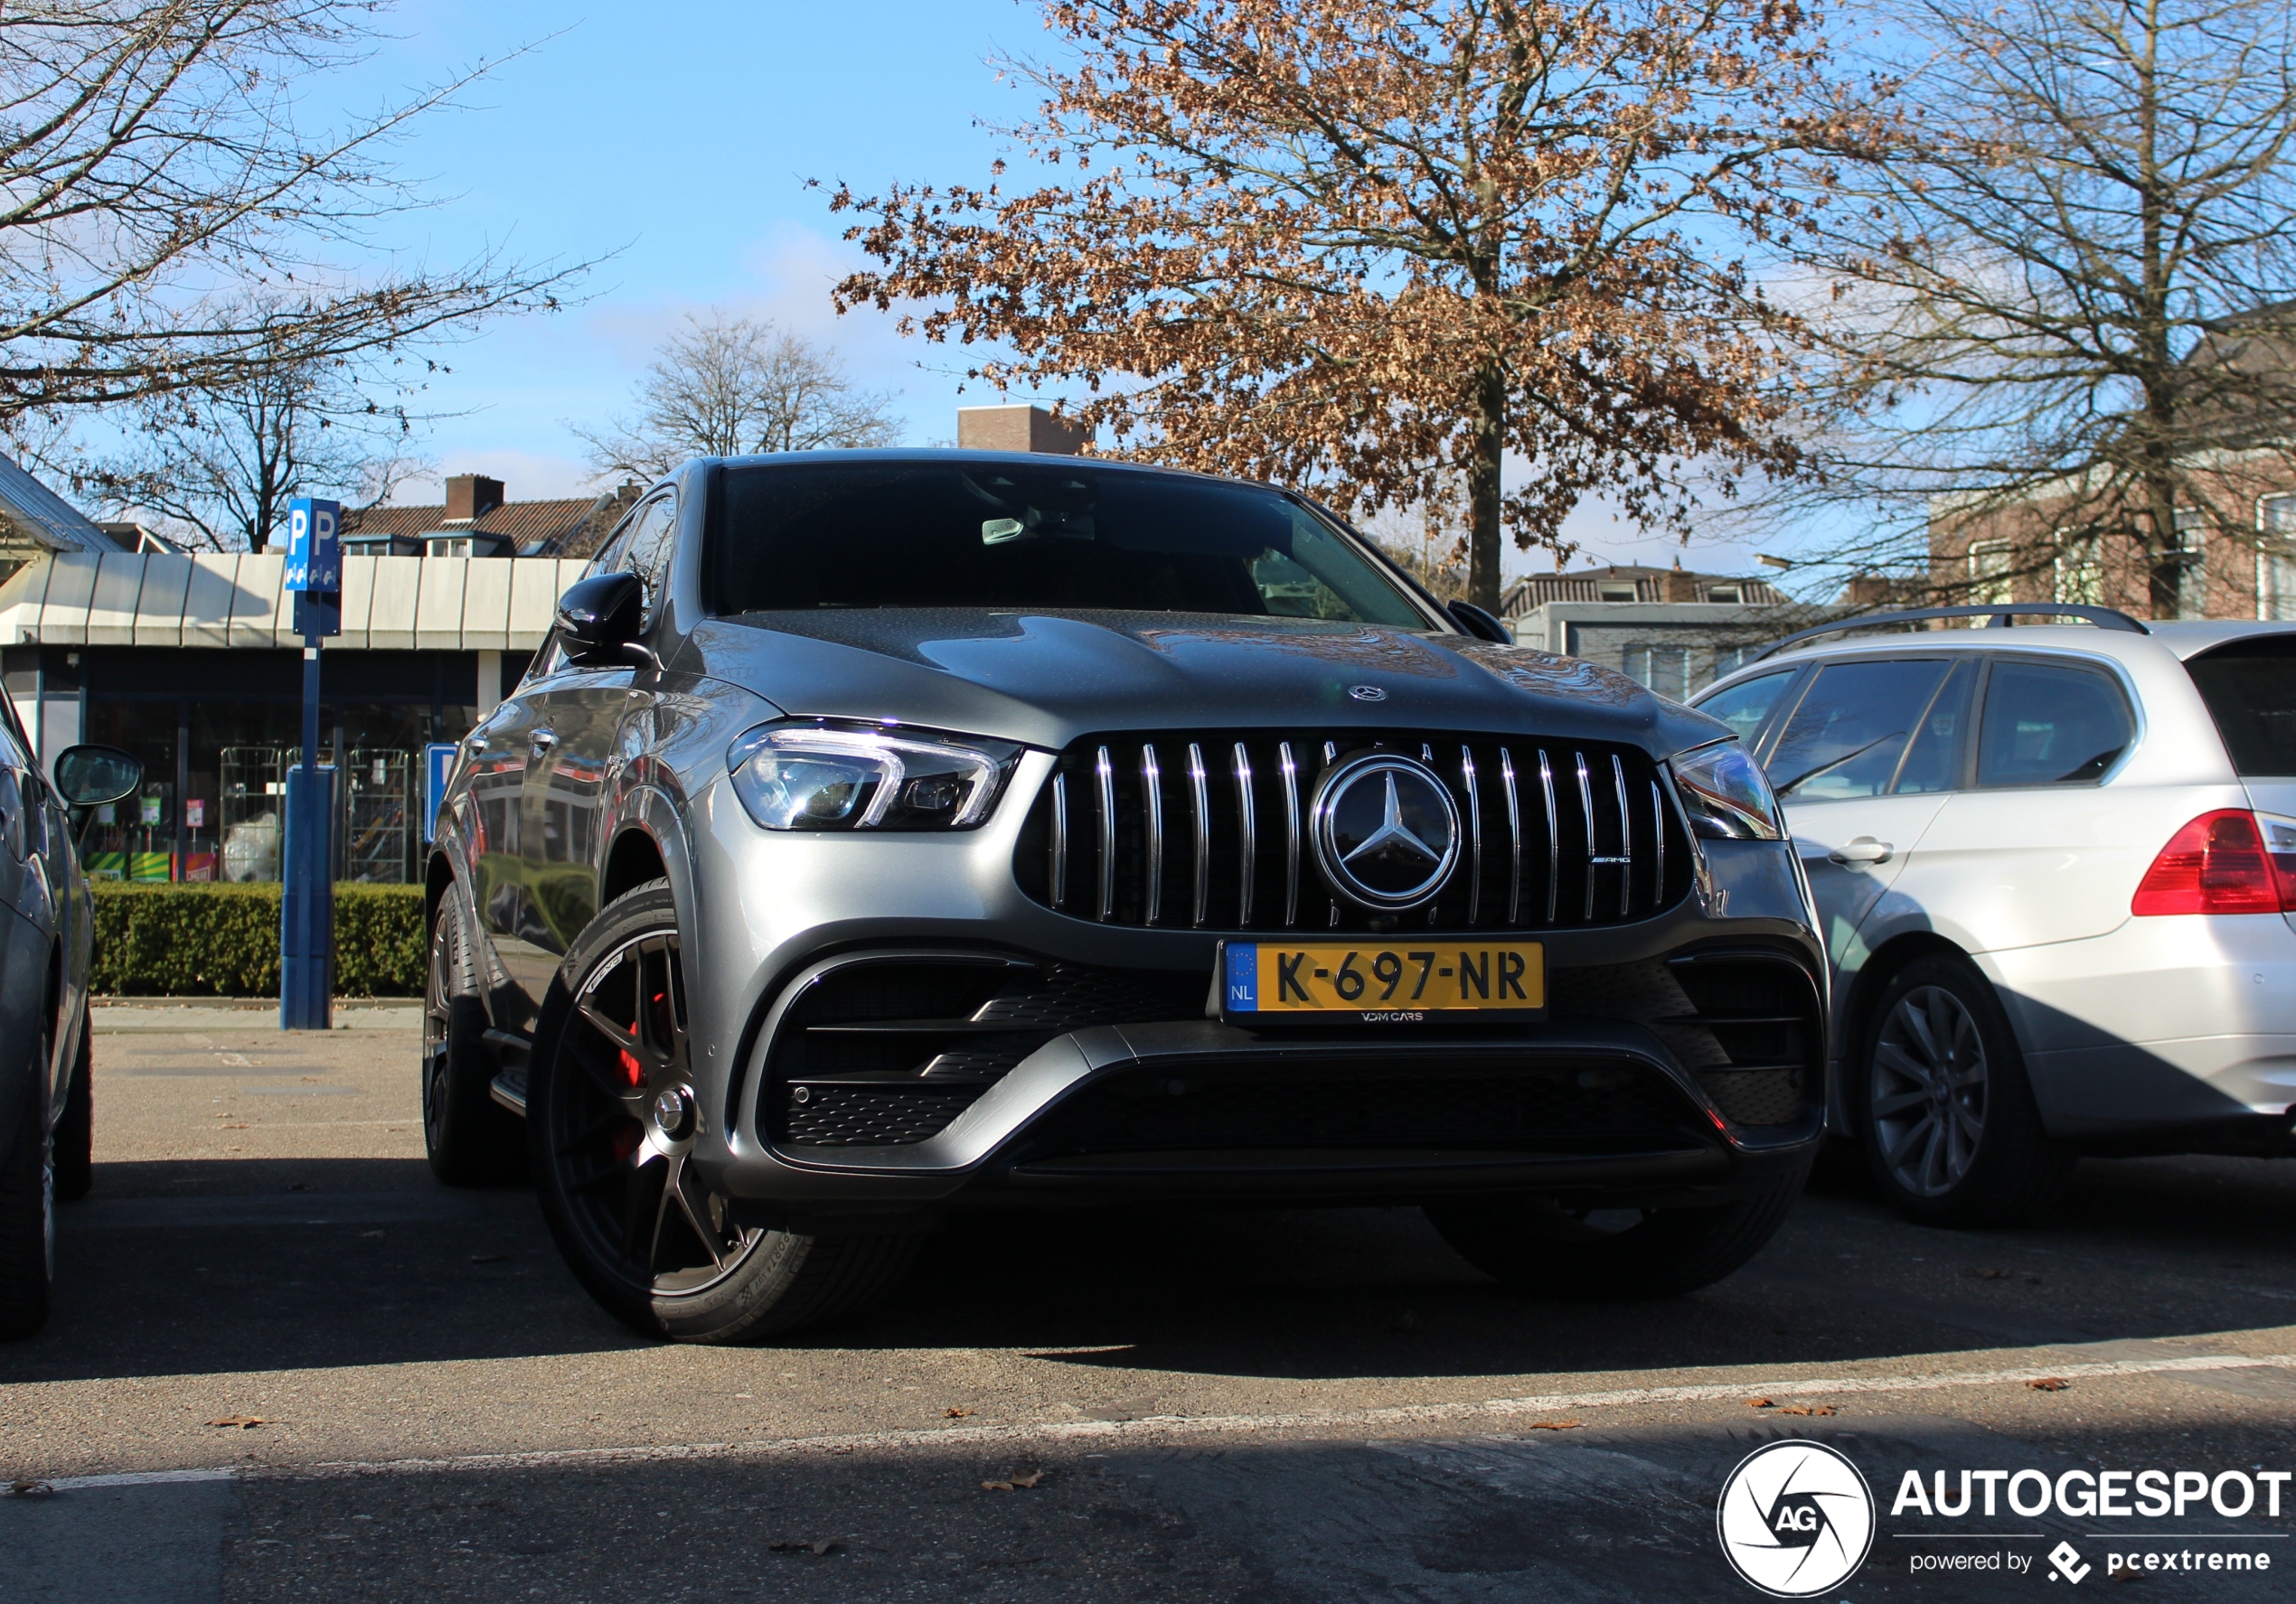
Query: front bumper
pixel 1163 1100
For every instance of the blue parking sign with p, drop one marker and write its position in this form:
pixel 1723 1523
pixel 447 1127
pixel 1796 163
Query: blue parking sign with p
pixel 439 767
pixel 315 546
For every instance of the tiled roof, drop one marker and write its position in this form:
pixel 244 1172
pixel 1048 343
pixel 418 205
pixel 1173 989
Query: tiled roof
pixel 522 521
pixel 1649 585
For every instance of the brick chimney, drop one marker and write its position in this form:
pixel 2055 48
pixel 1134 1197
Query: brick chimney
pixel 472 496
pixel 1018 428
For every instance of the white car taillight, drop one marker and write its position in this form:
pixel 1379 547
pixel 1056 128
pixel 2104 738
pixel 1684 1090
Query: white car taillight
pixel 2227 861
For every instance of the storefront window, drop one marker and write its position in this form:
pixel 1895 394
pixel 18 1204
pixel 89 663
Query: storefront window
pixel 217 740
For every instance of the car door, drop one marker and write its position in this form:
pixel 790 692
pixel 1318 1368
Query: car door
pixel 575 723
pixel 2032 850
pixel 1861 766
pixel 499 752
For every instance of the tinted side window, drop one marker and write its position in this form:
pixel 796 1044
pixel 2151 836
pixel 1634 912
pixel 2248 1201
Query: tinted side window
pixel 646 549
pixel 1933 760
pixel 1850 729
pixel 2249 687
pixel 1742 706
pixel 2046 724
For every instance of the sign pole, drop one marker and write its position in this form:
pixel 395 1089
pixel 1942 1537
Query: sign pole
pixel 307 908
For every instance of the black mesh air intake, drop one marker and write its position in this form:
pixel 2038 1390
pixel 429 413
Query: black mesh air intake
pixel 886 1051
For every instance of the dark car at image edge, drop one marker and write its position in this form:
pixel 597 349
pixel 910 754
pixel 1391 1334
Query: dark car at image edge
pixel 882 834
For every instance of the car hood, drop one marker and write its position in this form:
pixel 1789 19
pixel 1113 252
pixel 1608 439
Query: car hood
pixel 1049 678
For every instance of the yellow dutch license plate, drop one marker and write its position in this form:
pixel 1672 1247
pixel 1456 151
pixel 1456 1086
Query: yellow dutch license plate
pixel 1404 982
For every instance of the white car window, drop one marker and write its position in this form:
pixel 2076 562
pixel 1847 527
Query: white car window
pixel 2049 725
pixel 1851 728
pixel 1933 760
pixel 1743 706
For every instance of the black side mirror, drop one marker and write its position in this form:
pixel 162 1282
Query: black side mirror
pixel 1480 623
pixel 598 620
pixel 90 776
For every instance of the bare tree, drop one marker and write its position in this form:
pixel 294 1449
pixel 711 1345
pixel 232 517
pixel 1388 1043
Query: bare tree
pixel 217 467
pixel 2062 319
pixel 1364 245
pixel 725 385
pixel 159 172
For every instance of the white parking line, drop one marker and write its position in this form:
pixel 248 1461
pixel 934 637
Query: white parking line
pixel 1151 1426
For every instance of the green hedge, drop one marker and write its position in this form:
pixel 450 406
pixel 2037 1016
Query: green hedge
pixel 223 941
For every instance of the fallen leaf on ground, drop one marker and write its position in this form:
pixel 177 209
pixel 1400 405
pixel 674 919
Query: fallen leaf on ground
pixel 1809 1409
pixel 826 1545
pixel 1991 1275
pixel 231 1127
pixel 1552 1426
pixel 955 1414
pixel 1030 1480
pixel 996 1487
pixel 1760 1404
pixel 2049 1383
pixel 490 1258
pixel 245 1422
pixel 28 1488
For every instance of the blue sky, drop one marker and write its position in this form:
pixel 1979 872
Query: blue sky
pixel 678 135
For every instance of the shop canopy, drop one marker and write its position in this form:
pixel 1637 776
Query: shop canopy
pixel 235 599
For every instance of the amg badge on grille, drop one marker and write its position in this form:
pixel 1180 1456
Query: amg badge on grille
pixel 1386 831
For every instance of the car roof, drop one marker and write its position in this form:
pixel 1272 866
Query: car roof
pixel 2180 640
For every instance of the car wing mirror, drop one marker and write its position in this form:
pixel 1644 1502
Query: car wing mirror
pixel 1479 623
pixel 599 619
pixel 88 777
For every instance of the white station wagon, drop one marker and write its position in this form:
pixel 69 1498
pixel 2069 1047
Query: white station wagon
pixel 2055 868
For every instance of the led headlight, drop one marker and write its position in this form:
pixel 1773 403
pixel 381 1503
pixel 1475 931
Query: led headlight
pixel 1724 795
pixel 814 777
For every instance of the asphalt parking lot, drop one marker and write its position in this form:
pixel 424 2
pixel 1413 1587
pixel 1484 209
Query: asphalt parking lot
pixel 1198 1406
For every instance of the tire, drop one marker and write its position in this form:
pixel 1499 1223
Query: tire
pixel 28 1209
pixel 1943 1111
pixel 472 1140
pixel 1536 1245
pixel 75 1142
pixel 611 1118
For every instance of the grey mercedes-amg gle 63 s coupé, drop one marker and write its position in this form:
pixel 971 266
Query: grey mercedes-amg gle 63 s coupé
pixel 881 834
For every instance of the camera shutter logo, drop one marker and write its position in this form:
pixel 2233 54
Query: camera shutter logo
pixel 1796 1519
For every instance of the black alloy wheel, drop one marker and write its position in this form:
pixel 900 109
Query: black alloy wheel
pixel 614 1115
pixel 1941 1104
pixel 471 1139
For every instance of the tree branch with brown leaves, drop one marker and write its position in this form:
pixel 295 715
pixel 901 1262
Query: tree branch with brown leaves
pixel 1374 247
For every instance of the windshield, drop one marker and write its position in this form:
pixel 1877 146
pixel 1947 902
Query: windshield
pixel 1006 536
pixel 2249 687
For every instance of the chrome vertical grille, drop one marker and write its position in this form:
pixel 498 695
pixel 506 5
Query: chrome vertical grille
pixel 1207 829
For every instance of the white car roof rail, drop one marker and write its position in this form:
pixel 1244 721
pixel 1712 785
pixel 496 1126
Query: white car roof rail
pixel 2002 614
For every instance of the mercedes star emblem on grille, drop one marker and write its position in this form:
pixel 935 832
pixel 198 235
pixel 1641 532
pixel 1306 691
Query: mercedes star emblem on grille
pixel 1367 693
pixel 1386 831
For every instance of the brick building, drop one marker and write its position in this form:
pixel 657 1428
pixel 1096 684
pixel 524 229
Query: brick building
pixel 2068 541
